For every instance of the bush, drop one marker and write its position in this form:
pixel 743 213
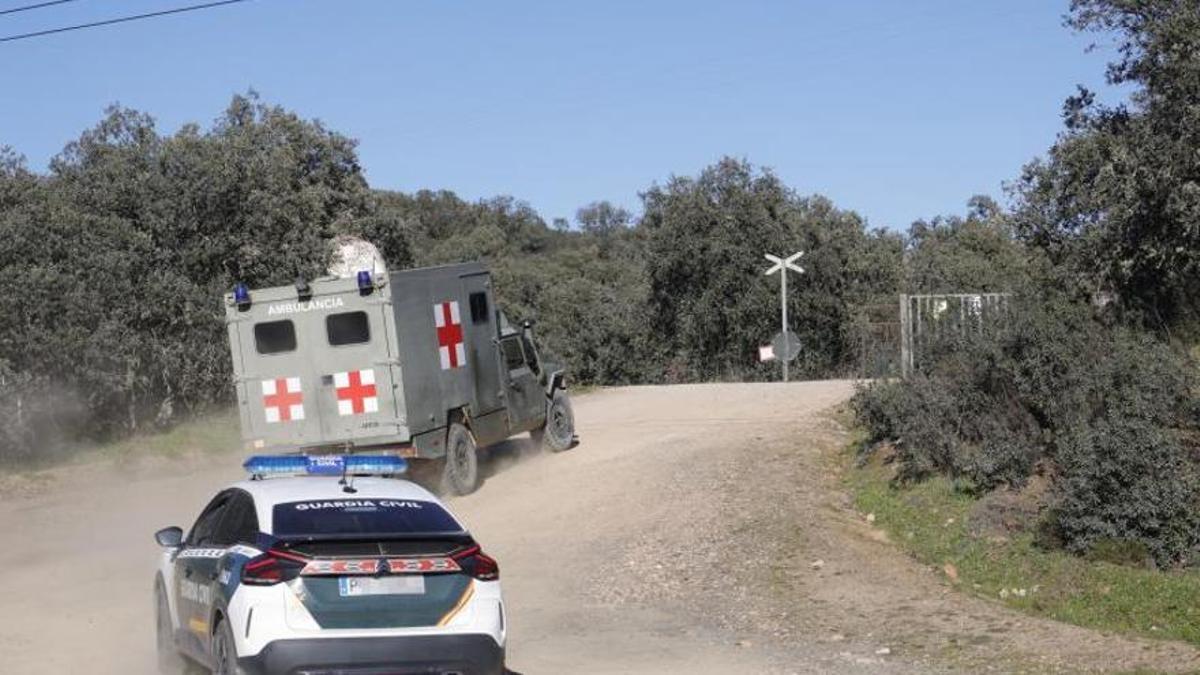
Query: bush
pixel 1126 479
pixel 950 430
pixel 1108 414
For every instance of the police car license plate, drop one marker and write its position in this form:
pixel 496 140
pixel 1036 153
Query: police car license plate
pixel 407 584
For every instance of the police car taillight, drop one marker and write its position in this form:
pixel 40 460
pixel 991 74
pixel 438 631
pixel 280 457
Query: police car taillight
pixel 478 564
pixel 272 567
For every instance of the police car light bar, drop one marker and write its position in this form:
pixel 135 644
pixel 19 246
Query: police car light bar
pixel 324 465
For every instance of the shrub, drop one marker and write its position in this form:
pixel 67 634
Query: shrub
pixel 950 430
pixel 1127 480
pixel 1109 414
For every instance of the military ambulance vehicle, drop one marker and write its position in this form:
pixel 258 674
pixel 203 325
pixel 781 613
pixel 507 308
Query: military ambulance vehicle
pixel 420 362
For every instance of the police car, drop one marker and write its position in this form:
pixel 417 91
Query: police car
pixel 338 570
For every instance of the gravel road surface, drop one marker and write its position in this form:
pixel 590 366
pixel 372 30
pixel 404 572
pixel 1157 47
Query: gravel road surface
pixel 694 529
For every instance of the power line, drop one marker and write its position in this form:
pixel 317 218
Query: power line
pixel 123 19
pixel 39 5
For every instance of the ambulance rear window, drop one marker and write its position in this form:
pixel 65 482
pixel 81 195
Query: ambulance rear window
pixel 274 337
pixel 354 517
pixel 349 328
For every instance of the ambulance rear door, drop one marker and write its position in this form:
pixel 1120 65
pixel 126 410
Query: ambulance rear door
pixel 275 380
pixel 357 373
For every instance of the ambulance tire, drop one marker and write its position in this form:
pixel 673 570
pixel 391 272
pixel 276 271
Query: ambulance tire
pixel 559 432
pixel 460 473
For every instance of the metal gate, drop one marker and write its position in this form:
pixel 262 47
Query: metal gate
pixel 926 317
pixel 877 331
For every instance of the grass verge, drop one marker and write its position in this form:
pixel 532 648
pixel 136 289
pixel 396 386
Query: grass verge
pixel 213 433
pixel 217 432
pixel 931 521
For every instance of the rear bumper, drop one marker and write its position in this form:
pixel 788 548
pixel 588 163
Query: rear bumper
pixel 424 654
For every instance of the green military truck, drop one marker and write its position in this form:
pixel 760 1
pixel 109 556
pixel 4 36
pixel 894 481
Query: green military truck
pixel 419 362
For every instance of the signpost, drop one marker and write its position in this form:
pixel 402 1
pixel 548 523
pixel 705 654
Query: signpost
pixel 786 346
pixel 782 265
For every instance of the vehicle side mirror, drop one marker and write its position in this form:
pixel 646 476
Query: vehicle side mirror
pixel 528 323
pixel 169 537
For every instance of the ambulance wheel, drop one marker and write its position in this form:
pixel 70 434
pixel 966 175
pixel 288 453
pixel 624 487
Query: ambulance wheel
pixel 559 432
pixel 169 661
pixel 460 474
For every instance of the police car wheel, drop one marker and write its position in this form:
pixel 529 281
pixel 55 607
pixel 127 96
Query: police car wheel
pixel 164 642
pixel 460 474
pixel 224 654
pixel 560 423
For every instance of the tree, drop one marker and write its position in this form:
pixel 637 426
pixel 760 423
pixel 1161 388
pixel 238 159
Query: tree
pixel 710 304
pixel 1115 203
pixel 975 254
pixel 602 218
pixel 112 267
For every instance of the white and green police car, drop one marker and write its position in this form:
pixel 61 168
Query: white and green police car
pixel 334 571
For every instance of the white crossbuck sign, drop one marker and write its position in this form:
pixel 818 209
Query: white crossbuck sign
pixel 788 262
pixel 782 265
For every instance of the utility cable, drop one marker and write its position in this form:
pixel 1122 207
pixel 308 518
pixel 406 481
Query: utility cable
pixel 39 5
pixel 122 19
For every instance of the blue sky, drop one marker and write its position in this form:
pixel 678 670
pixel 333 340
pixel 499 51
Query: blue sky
pixel 897 110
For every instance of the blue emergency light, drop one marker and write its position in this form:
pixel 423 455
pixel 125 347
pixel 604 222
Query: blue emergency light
pixel 324 465
pixel 365 281
pixel 241 295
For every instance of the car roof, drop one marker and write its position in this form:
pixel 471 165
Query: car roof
pixel 268 492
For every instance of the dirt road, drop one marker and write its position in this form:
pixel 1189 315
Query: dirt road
pixel 695 529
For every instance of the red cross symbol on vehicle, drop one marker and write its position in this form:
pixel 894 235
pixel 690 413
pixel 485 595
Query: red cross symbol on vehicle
pixel 356 392
pixel 449 334
pixel 282 399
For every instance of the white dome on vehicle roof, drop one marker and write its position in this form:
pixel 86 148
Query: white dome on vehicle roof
pixel 351 255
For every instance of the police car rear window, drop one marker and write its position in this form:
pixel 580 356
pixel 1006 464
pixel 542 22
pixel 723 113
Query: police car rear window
pixel 274 337
pixel 368 517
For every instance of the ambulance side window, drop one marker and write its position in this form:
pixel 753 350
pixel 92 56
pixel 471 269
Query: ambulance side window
pixel 513 358
pixel 348 328
pixel 479 308
pixel 275 337
pixel 531 354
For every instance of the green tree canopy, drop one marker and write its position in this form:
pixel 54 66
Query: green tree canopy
pixel 972 254
pixel 113 265
pixel 711 305
pixel 1116 202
